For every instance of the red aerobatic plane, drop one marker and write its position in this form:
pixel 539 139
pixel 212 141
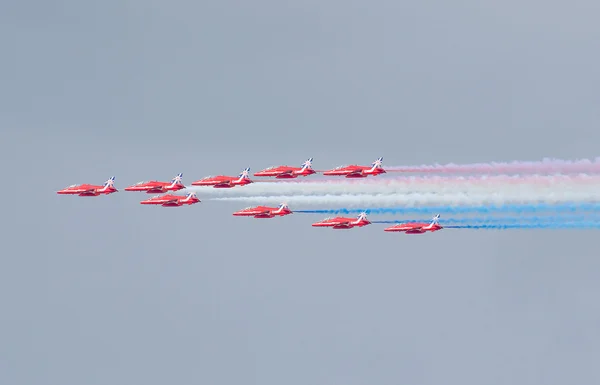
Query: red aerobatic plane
pixel 344 223
pixel 264 212
pixel 155 187
pixel 90 190
pixel 354 171
pixel 417 228
pixel 288 172
pixel 222 181
pixel 171 200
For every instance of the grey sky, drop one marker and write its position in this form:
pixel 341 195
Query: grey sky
pixel 103 290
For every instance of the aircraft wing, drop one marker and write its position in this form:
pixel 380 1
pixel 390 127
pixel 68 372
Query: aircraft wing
pixel 223 184
pixel 343 224
pixel 355 173
pixel 263 214
pixel 414 229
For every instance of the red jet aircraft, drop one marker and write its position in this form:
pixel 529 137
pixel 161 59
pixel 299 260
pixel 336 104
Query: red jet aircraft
pixel 417 228
pixel 90 190
pixel 354 171
pixel 264 212
pixel 155 187
pixel 170 200
pixel 344 223
pixel 222 181
pixel 288 172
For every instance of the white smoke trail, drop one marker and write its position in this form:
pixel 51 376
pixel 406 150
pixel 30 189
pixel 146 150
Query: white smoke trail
pixel 417 199
pixel 546 165
pixel 440 185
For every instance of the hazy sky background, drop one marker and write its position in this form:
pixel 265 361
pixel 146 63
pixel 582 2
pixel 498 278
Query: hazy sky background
pixel 106 291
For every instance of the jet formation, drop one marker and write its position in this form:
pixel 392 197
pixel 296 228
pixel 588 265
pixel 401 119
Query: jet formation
pixel 169 199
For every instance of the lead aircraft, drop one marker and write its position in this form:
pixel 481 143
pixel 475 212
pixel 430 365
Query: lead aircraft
pixel 416 227
pixel 90 190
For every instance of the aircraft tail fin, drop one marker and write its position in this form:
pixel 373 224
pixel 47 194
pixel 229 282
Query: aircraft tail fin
pixel 282 206
pixel 189 196
pixel 307 165
pixel 245 174
pixel 178 179
pixel 378 163
pixel 362 217
pixel 110 183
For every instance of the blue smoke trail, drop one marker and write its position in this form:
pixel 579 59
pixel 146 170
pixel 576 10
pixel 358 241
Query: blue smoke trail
pixel 484 209
pixel 502 220
pixel 580 225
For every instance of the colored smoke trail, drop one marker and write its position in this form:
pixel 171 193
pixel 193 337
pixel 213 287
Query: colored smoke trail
pixel 414 199
pixel 482 209
pixel 541 185
pixel 441 180
pixel 557 226
pixel 546 165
